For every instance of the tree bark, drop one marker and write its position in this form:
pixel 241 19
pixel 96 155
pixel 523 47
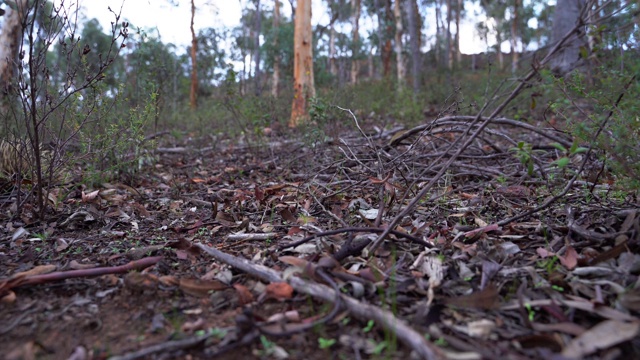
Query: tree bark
pixel 193 94
pixel 258 30
pixel 415 45
pixel 449 49
pixel 438 49
pixel 457 41
pixel 355 37
pixel 401 70
pixel 514 37
pixel 303 82
pixel 275 78
pixel 388 34
pixel 10 39
pixel 564 19
pixel 333 68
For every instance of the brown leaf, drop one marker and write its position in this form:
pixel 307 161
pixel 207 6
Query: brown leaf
pixel 259 194
pixel 78 266
pixel 486 298
pixel 288 216
pixel 191 326
pixel 140 281
pixel 38 270
pixel 630 299
pixel 602 336
pixel 244 295
pixel 569 259
pixel 90 196
pixel 294 261
pixel 169 280
pixel 200 288
pixel 279 291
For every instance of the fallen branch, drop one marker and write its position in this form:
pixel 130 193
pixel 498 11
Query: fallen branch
pixel 364 312
pixel 21 280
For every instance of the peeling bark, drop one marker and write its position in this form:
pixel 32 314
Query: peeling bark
pixel 303 82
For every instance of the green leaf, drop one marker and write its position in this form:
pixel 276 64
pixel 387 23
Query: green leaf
pixel 562 162
pixel 559 147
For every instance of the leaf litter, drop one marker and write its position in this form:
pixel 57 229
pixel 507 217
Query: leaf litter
pixel 305 252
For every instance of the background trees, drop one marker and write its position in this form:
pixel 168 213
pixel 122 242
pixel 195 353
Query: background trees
pixel 355 42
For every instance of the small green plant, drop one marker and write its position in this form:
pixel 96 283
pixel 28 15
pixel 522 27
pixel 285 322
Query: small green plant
pixel 326 343
pixel 441 342
pixel 369 327
pixel 524 153
pixel 530 311
pixel 568 153
pixel 549 264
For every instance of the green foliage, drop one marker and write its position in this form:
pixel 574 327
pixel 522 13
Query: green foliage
pixel 524 152
pixel 114 146
pixel 590 110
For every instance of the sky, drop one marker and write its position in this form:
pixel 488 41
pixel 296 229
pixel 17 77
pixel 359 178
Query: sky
pixel 172 22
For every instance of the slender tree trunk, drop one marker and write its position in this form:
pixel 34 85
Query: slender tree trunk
pixel 499 46
pixel 399 57
pixel 387 23
pixel 257 56
pixel 449 50
pixel 438 33
pixel 193 94
pixel 303 82
pixel 275 79
pixel 333 67
pixel 458 14
pixel 371 66
pixel 415 45
pixel 514 37
pixel 355 37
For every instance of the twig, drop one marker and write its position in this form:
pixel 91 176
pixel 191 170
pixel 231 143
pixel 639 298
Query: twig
pixel 165 347
pixel 364 312
pixel 357 229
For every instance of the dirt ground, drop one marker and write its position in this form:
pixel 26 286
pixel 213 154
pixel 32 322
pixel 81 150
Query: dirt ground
pixel 128 277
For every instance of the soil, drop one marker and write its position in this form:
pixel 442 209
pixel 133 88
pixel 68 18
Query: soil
pixel 539 286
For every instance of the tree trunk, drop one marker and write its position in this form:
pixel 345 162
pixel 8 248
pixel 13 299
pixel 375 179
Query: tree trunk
pixel 275 79
pixel 399 58
pixel 514 37
pixel 438 33
pixel 333 67
pixel 449 49
pixel 499 46
pixel 458 52
pixel 355 37
pixel 564 19
pixel 388 34
pixel 256 50
pixel 303 83
pixel 10 39
pixel 193 94
pixel 415 46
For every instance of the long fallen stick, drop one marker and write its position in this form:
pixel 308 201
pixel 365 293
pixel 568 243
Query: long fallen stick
pixel 362 311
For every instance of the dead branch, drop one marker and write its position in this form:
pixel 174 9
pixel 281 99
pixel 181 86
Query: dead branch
pixel 364 312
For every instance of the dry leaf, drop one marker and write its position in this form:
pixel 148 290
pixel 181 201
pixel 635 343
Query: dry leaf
pixel 602 336
pixel 279 291
pixel 569 259
pixel 38 270
pixel 200 288
pixel 244 295
pixel 483 299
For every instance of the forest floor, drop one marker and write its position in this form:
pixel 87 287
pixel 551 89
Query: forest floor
pixel 234 249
